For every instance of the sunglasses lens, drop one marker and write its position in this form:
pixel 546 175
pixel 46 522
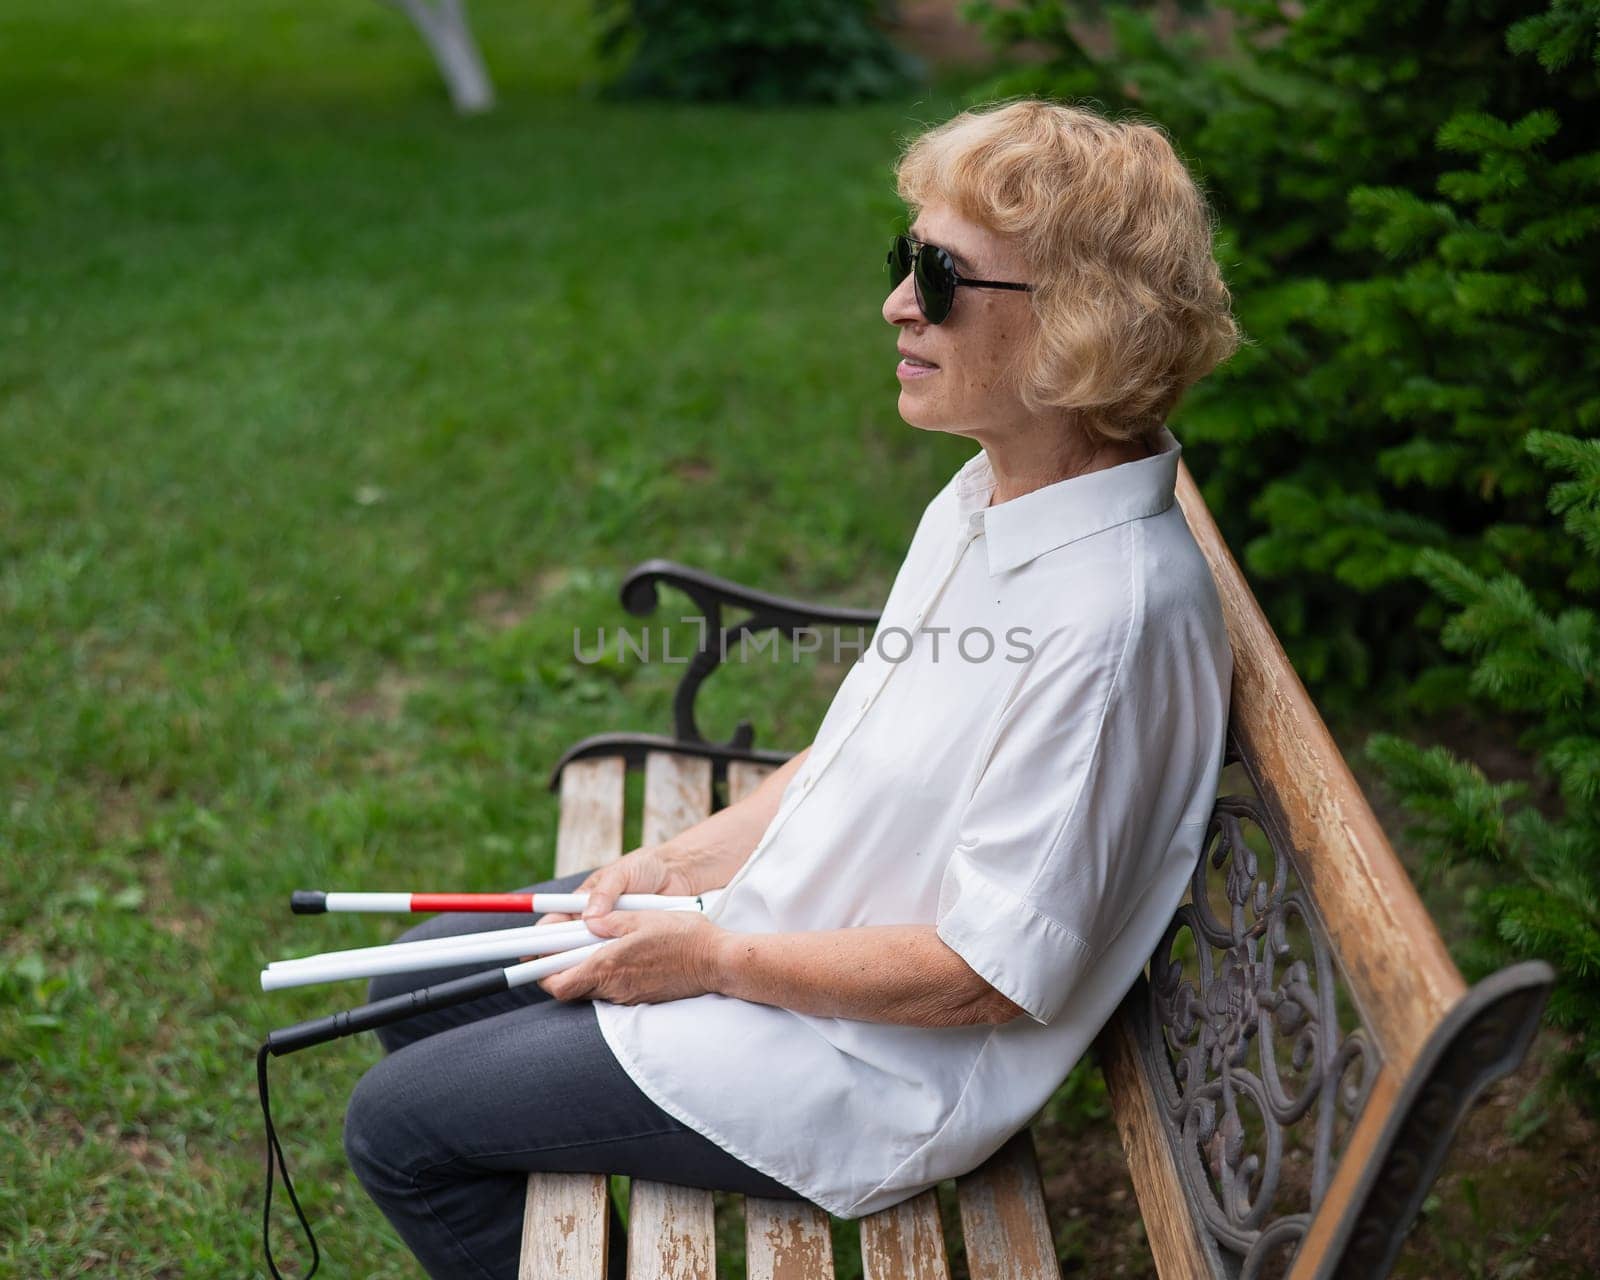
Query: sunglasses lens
pixel 935 284
pixel 899 261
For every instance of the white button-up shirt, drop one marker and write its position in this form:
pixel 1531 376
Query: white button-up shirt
pixel 1025 756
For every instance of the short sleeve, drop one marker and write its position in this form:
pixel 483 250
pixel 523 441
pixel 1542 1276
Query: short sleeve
pixel 1100 755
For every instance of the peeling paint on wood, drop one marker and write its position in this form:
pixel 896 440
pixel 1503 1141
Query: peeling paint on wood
pixel 1003 1218
pixel 905 1241
pixel 786 1240
pixel 671 1233
pixel 564 1228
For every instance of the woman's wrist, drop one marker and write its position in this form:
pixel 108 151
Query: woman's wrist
pixel 722 955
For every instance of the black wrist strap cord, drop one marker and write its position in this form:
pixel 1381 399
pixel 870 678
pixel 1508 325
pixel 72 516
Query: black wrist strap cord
pixel 275 1152
pixel 319 1031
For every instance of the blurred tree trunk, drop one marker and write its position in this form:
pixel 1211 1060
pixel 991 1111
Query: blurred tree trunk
pixel 444 26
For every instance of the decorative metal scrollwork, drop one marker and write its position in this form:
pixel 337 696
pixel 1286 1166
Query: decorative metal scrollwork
pixel 1248 1045
pixel 766 612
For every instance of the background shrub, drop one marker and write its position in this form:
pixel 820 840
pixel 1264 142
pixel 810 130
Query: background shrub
pixel 1540 891
pixel 762 52
pixel 1409 207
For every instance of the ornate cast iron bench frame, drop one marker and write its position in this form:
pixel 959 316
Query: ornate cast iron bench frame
pixel 1263 1136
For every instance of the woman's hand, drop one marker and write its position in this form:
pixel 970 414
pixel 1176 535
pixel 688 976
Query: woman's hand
pixel 656 956
pixel 648 869
pixel 705 856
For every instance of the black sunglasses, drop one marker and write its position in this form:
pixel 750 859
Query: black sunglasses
pixel 935 277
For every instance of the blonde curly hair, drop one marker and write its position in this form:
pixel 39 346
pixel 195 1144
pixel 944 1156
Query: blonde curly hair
pixel 1131 305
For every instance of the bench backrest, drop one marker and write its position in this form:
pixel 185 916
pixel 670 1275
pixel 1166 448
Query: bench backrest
pixel 1288 1076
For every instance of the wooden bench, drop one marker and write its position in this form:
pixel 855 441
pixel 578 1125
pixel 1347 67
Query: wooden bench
pixel 1286 1078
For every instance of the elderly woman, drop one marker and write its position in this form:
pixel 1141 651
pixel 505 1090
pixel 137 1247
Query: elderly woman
pixel 916 926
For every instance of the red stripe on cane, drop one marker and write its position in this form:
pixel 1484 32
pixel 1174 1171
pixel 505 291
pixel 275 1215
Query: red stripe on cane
pixel 472 902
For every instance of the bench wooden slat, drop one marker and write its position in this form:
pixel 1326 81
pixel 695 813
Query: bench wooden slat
pixel 589 829
pixel 671 1235
pixel 1169 1228
pixel 564 1227
pixel 565 1220
pixel 677 794
pixel 671 1229
pixel 1003 1217
pixel 786 1240
pixel 905 1241
pixel 1399 971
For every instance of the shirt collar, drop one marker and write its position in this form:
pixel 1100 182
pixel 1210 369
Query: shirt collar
pixel 1022 528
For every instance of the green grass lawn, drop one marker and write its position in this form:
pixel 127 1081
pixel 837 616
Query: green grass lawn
pixel 325 417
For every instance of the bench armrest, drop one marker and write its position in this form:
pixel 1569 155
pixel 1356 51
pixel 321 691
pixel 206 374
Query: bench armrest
pixel 766 612
pixel 710 593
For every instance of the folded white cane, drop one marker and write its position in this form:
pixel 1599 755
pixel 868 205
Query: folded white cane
pixel 470 948
pixel 434 944
pixel 556 946
pixel 414 957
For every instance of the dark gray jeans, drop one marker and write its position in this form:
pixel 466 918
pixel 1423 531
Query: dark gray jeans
pixel 469 1100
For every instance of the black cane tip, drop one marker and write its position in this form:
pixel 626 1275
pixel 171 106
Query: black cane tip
pixel 308 902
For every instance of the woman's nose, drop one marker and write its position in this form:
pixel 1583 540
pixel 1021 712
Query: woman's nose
pixel 901 304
